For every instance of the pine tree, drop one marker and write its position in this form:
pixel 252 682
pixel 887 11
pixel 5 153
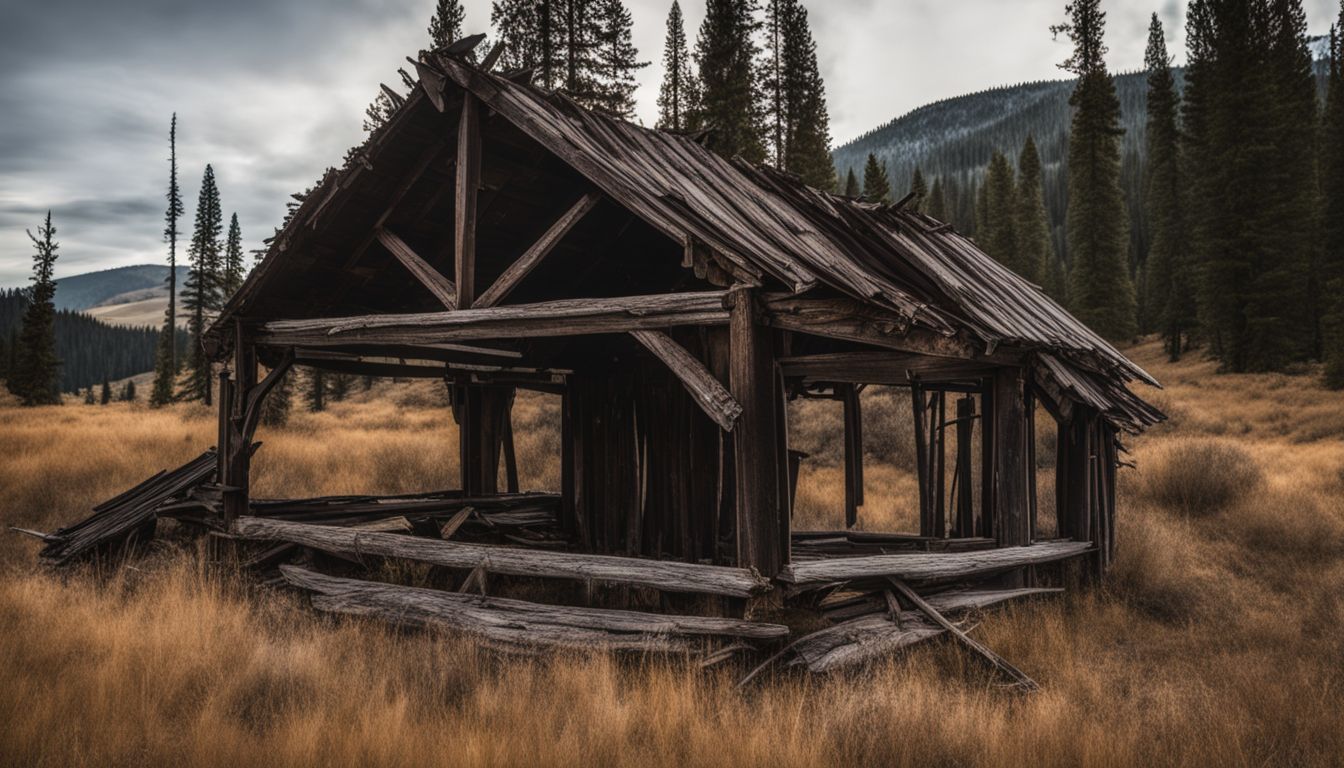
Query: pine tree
pixel 275 408
pixel 339 386
pixel 998 238
pixel 1034 252
pixel 920 191
pixel 201 296
pixel 807 125
pixel 726 52
pixel 616 60
pixel 1332 188
pixel 128 392
pixel 876 184
pixel 232 278
pixel 105 396
pixel 937 204
pixel 678 99
pixel 89 399
pixel 1100 289
pixel 445 25
pixel 525 29
pixel 852 189
pixel 317 390
pixel 167 365
pixel 1168 281
pixel 35 374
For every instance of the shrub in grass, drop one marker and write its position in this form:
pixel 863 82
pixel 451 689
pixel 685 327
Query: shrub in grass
pixel 1199 477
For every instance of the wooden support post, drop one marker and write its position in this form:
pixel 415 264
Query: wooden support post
pixel 849 396
pixel 965 526
pixel 1010 458
pixel 510 457
pixel 987 431
pixel 1030 406
pixel 939 462
pixel 468 186
pixel 568 447
pixel 920 412
pixel 752 382
pixel 235 440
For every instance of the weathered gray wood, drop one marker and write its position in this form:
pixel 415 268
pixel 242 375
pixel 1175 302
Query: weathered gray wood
pixel 751 375
pixel 998 662
pixel 565 317
pixel 666 575
pixel 1010 458
pixel 854 321
pixel 468 187
pixel 931 566
pixel 712 397
pixel 440 286
pixel 472 612
pixel 884 367
pixel 533 256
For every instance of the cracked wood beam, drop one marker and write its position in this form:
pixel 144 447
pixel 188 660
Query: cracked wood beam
pixel 539 250
pixel 712 397
pixel 468 187
pixel 440 286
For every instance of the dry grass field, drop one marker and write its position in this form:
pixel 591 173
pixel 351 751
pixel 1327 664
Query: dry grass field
pixel 1217 642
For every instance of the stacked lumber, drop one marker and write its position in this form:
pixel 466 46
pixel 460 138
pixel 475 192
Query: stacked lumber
pixel 119 518
pixel 517 625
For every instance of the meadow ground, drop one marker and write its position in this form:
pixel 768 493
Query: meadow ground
pixel 1216 642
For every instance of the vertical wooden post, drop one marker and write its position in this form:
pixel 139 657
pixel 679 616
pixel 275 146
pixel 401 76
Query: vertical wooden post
pixel 752 382
pixel 987 431
pixel 510 457
pixel 1010 457
pixel 1030 406
pixel 965 526
pixel 920 412
pixel 939 462
pixel 468 185
pixel 568 452
pixel 849 396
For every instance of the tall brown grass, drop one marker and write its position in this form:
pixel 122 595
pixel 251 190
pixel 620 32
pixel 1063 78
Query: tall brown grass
pixel 1215 642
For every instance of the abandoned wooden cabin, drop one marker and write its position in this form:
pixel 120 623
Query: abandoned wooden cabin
pixel 500 237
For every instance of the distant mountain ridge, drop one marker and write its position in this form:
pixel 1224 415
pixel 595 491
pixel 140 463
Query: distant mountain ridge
pixel 121 285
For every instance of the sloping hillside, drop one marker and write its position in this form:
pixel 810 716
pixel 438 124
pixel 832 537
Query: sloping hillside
pixel 121 285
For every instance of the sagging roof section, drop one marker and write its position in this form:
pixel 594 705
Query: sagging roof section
pixel 768 225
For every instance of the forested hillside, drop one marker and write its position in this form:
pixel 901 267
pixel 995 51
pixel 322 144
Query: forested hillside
pixel 114 286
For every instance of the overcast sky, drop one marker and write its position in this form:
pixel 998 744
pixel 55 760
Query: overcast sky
pixel 271 92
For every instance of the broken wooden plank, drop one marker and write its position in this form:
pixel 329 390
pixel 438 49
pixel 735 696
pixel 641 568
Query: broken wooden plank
pixel 931 566
pixel 1019 677
pixel 468 185
pixel 473 612
pixel 712 397
pixel 667 575
pixel 442 288
pixel 539 250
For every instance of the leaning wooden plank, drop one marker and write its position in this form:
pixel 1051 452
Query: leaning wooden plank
pixel 564 317
pixel 931 566
pixel 666 575
pixel 712 397
pixel 452 606
pixel 1019 677
pixel 442 288
pixel 860 640
pixel 533 256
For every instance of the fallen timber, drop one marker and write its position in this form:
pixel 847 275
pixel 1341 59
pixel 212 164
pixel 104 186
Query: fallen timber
pixel 666 575
pixel 517 621
pixel 119 517
pixel 929 567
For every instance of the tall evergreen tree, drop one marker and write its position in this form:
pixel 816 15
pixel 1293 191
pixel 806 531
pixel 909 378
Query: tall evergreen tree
pixel 34 377
pixel 1034 252
pixel 317 390
pixel 998 238
pixel 678 99
pixel 275 409
pixel 876 184
pixel 167 364
pixel 128 392
pixel 1168 283
pixel 105 396
pixel 616 59
pixel 852 189
pixel 937 205
pixel 445 25
pixel 1100 289
pixel 526 29
pixel 232 270
pixel 201 294
pixel 920 189
pixel 1332 189
pixel 726 51
pixel 807 125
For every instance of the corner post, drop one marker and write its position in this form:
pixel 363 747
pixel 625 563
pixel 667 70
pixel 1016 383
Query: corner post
pixel 235 442
pixel 1010 458
pixel 755 438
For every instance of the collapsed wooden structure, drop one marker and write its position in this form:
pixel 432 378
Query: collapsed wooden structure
pixel 500 237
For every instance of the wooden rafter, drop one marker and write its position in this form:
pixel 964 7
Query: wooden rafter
pixel 712 397
pixel 539 250
pixel 440 286
pixel 468 187
pixel 417 170
pixel 852 320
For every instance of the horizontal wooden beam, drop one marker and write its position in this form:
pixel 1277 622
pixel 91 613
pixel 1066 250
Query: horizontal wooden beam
pixel 667 575
pixel 882 367
pixel 708 392
pixel 931 566
pixel 529 260
pixel 440 286
pixel 391 367
pixel 541 623
pixel 853 320
pixel 567 317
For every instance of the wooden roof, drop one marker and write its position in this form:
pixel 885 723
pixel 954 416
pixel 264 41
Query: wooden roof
pixel 758 225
